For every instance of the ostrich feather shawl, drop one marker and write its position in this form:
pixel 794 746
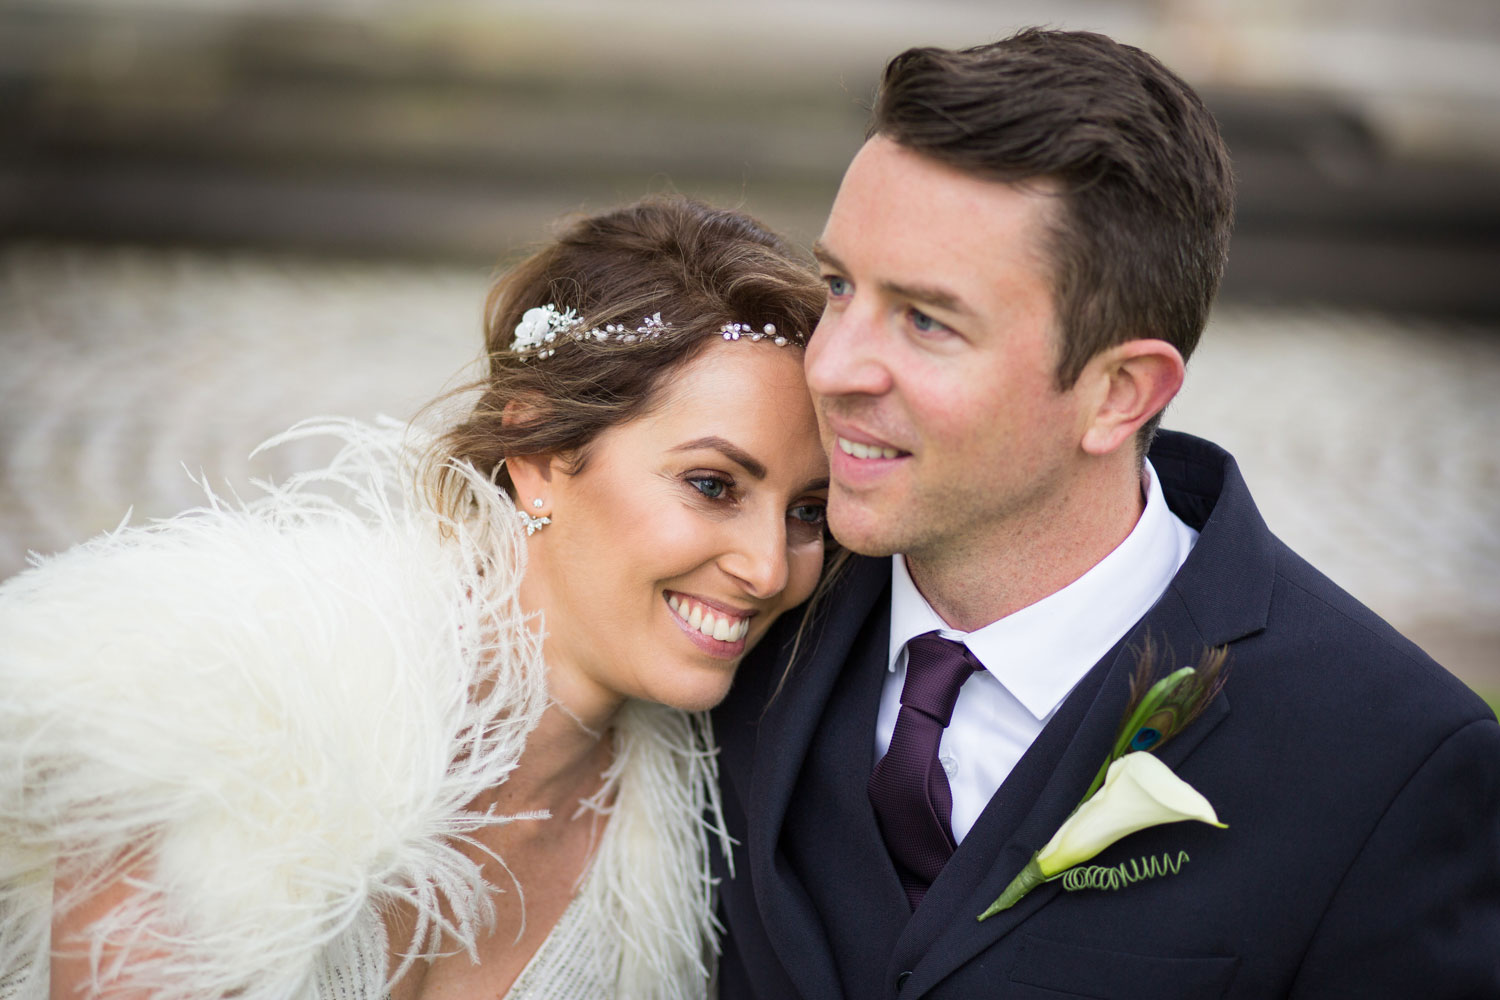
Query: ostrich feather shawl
pixel 271 717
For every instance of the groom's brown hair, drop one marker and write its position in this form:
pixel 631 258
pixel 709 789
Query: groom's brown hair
pixel 1146 196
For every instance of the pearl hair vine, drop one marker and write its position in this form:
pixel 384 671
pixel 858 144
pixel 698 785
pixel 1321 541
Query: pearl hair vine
pixel 541 327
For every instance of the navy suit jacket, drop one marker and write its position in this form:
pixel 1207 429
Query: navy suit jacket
pixel 1359 780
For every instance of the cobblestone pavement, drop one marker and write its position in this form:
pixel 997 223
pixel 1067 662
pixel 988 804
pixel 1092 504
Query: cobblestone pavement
pixel 1372 445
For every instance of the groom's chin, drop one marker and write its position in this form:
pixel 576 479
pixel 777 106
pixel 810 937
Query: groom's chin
pixel 861 530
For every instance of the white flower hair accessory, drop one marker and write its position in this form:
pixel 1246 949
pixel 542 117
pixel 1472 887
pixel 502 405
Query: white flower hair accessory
pixel 540 326
pixel 537 333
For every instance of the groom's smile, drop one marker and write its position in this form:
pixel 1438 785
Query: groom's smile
pixel 934 365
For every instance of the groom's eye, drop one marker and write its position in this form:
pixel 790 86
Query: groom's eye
pixel 924 322
pixel 837 287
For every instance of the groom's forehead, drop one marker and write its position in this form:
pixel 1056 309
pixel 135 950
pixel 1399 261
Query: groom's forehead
pixel 889 181
pixel 927 230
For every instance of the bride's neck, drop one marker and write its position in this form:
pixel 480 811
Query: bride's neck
pixel 563 763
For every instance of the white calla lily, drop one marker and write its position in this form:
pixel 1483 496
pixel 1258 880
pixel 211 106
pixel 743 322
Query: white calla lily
pixel 1138 792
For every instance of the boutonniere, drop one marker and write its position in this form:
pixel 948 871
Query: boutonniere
pixel 1133 789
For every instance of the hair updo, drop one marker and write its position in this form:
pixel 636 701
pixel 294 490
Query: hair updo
pixel 699 267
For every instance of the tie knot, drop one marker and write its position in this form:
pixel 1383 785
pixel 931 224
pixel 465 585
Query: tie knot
pixel 935 669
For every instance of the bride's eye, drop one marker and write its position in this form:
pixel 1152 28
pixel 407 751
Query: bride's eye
pixel 810 513
pixel 712 487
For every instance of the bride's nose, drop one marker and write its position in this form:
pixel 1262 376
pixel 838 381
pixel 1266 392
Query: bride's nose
pixel 756 556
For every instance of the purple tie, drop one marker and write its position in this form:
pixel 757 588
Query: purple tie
pixel 908 787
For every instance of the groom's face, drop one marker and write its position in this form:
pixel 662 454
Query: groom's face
pixel 933 367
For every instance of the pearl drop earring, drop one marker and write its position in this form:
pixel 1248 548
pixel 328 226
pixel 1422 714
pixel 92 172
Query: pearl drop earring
pixel 533 524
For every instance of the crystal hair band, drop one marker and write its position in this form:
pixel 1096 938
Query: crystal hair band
pixel 540 328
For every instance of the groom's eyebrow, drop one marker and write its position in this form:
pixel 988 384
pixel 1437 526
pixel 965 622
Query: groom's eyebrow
pixel 826 256
pixel 729 450
pixel 934 295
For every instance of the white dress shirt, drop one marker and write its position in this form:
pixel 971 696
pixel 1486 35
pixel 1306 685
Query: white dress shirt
pixel 1034 657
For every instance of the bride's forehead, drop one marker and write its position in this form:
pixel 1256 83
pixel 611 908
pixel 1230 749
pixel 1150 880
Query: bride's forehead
pixel 734 374
pixel 753 394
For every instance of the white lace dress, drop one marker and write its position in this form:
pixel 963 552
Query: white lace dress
pixel 288 705
pixel 566 966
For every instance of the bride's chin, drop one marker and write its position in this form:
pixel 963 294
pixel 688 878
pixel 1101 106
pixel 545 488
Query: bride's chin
pixel 698 691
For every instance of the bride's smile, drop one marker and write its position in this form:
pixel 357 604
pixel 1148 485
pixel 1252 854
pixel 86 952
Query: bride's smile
pixel 712 623
pixel 678 537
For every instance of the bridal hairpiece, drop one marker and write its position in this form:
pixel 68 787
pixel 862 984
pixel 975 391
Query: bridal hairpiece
pixel 542 326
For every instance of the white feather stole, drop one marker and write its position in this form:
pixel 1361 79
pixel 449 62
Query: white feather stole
pixel 272 715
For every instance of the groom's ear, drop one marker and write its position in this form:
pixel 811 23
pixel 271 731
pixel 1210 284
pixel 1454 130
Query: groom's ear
pixel 1123 387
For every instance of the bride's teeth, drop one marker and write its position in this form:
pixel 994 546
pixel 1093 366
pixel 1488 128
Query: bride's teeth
pixel 720 627
pixel 888 453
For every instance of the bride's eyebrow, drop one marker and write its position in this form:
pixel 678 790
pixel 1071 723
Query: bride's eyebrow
pixel 729 450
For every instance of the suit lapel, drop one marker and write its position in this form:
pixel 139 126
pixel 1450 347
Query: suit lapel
pixel 787 731
pixel 831 809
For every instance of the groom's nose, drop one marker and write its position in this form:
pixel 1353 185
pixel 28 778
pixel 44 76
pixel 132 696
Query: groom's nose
pixel 844 357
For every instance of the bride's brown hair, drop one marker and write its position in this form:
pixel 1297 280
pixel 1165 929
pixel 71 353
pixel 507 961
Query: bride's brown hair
pixel 699 267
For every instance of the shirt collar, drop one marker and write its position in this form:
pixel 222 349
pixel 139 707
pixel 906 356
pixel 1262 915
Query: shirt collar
pixel 1041 651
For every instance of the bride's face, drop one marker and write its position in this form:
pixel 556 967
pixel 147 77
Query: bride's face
pixel 686 533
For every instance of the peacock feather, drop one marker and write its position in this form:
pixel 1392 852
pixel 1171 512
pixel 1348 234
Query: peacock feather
pixel 1158 710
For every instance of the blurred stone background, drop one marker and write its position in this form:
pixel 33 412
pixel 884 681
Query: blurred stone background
pixel 220 216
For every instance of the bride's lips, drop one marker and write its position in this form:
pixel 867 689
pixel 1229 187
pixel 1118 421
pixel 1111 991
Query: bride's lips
pixel 726 627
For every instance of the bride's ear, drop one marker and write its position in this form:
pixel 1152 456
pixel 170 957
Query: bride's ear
pixel 531 475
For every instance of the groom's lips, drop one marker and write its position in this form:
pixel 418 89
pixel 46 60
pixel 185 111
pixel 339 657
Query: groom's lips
pixel 857 458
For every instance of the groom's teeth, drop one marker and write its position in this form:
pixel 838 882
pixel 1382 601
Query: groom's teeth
pixel 865 450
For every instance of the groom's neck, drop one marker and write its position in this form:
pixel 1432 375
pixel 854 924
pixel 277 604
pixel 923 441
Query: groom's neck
pixel 979 577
